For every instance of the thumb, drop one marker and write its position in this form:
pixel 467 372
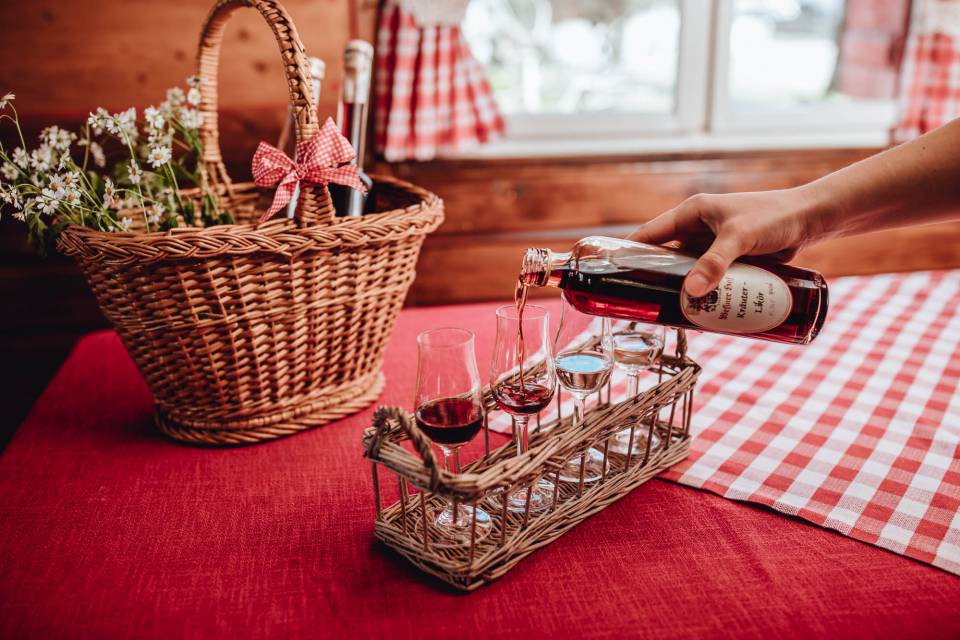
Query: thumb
pixel 712 265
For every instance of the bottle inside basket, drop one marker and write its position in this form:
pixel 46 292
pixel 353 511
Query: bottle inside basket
pixel 287 142
pixel 634 281
pixel 352 119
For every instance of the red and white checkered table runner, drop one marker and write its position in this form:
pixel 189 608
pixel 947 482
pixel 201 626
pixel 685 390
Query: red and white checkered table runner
pixel 858 431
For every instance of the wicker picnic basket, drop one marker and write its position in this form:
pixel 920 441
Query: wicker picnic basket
pixel 419 485
pixel 248 332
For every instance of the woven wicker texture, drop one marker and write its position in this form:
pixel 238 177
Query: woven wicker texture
pixel 250 332
pixel 665 408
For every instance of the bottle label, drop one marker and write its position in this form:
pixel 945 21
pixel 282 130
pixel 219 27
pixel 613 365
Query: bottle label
pixel 749 299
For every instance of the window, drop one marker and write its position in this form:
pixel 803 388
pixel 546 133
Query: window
pixel 634 75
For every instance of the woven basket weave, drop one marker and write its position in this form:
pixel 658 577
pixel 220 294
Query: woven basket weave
pixel 250 332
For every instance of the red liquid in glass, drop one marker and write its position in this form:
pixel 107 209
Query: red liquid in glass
pixel 522 400
pixel 450 421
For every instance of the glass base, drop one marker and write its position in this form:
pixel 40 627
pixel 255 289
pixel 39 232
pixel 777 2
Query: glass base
pixel 620 443
pixel 592 468
pixel 541 498
pixel 455 532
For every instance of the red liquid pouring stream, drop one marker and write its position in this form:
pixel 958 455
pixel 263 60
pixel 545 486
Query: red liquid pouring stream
pixel 520 299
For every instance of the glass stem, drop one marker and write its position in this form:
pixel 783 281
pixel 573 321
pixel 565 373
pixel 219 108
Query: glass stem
pixel 578 408
pixel 451 504
pixel 633 385
pixel 522 434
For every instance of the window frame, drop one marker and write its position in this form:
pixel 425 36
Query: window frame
pixel 702 119
pixel 862 116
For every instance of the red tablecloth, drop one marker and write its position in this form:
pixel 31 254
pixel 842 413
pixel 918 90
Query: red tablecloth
pixel 109 530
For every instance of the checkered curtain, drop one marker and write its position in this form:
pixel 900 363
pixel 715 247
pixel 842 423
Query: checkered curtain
pixel 930 75
pixel 432 95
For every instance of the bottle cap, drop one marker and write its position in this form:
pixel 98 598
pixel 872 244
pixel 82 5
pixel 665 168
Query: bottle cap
pixel 357 69
pixel 318 68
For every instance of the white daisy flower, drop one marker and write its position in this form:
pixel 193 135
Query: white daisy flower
pixel 127 122
pixel 41 159
pixel 71 180
pixel 48 201
pixel 193 96
pixel 99 120
pixel 5 100
pixel 154 213
pixel 57 186
pixel 20 215
pixel 159 156
pixel 124 224
pixel 191 118
pixel 135 173
pixel 57 138
pixel 71 198
pixel 20 158
pixel 109 191
pixel 9 171
pixel 175 95
pixel 99 157
pixel 155 119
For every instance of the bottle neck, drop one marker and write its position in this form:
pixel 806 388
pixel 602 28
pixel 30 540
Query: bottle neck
pixel 353 126
pixel 355 95
pixel 542 267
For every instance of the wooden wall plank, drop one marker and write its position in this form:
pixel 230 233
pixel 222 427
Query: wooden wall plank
pixel 508 195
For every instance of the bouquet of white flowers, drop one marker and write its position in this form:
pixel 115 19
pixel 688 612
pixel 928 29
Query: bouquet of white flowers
pixel 115 175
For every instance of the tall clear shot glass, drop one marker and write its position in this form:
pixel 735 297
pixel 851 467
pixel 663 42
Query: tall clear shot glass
pixel 523 381
pixel 449 411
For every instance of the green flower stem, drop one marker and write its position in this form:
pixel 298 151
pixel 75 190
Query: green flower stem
pixel 86 148
pixel 176 187
pixel 133 158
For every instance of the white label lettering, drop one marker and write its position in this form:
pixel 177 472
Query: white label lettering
pixel 749 299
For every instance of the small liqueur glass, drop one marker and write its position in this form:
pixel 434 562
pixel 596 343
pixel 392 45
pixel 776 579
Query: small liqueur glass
pixel 449 411
pixel 523 380
pixel 584 361
pixel 637 347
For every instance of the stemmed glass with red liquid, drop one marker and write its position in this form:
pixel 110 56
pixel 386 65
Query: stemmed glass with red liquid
pixel 637 347
pixel 584 361
pixel 523 380
pixel 449 411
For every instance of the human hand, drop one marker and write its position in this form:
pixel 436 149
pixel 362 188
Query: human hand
pixel 727 226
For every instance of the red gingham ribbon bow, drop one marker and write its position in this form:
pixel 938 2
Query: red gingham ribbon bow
pixel 320 160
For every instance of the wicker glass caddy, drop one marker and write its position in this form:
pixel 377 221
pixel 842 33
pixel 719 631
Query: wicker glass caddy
pixel 396 444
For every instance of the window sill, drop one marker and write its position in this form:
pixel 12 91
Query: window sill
pixel 692 144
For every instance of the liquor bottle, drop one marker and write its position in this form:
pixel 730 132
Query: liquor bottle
pixel 352 118
pixel 287 142
pixel 641 282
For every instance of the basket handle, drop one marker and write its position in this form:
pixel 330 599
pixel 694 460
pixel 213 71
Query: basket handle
pixel 314 206
pixel 381 422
